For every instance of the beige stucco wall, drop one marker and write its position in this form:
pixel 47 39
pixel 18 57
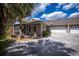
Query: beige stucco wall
pixel 38 29
pixel 43 27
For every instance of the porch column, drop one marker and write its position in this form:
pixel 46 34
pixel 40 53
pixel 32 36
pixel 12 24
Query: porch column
pixel 27 29
pixel 68 28
pixel 13 30
pixel 30 29
pixel 37 29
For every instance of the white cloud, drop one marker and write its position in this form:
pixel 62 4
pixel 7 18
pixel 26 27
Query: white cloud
pixel 43 16
pixel 77 6
pixel 74 15
pixel 55 15
pixel 40 8
pixel 69 6
pixel 60 4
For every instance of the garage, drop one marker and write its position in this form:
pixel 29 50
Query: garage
pixel 74 29
pixel 68 26
pixel 57 29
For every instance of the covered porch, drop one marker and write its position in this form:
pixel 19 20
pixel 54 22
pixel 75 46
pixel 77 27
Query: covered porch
pixel 31 29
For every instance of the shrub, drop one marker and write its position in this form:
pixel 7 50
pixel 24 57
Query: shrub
pixel 45 33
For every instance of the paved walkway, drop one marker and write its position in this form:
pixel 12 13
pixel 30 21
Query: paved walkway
pixel 56 45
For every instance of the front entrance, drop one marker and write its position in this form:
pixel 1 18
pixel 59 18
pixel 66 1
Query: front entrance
pixel 32 29
pixel 29 29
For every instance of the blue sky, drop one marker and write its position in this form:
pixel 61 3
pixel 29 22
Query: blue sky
pixel 52 11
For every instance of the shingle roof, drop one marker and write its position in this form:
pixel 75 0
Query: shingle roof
pixel 31 21
pixel 63 22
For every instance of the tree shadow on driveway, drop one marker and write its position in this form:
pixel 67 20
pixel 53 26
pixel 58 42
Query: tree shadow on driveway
pixel 40 48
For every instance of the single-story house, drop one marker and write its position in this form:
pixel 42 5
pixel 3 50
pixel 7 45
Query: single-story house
pixel 54 26
pixel 63 26
pixel 29 27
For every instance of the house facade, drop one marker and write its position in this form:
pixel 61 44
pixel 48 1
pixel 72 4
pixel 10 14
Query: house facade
pixel 29 27
pixel 63 26
pixel 54 26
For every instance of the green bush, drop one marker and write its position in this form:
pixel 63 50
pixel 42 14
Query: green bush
pixel 45 33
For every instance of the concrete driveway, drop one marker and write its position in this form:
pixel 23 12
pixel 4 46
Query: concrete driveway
pixel 70 40
pixel 55 45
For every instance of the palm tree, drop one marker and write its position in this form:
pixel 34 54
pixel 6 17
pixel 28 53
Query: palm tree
pixel 13 11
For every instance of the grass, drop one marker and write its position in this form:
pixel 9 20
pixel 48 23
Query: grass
pixel 20 39
pixel 23 39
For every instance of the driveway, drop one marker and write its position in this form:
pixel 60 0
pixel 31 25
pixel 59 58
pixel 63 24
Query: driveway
pixel 55 45
pixel 70 40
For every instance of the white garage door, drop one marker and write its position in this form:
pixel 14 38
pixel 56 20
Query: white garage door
pixel 57 30
pixel 74 30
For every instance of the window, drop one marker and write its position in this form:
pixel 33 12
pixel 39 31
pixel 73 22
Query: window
pixel 16 28
pixel 34 29
pixel 75 26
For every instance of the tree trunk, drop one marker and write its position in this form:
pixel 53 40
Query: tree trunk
pixel 20 28
pixel 2 21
